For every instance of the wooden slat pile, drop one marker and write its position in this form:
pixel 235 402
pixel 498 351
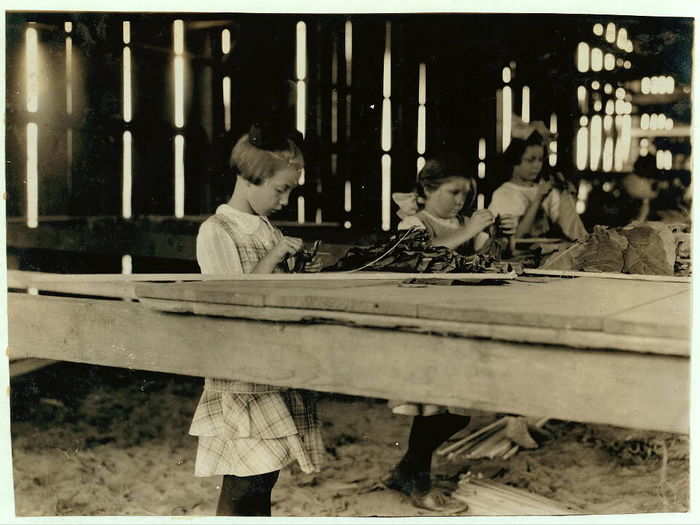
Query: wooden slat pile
pixel 488 498
pixel 502 438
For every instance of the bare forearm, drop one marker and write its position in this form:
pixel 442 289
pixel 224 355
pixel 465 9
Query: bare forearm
pixel 267 264
pixel 454 240
pixel 527 220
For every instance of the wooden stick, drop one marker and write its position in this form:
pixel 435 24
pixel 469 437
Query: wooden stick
pixel 511 452
pixel 607 275
pixel 473 443
pixel 533 240
pixel 493 426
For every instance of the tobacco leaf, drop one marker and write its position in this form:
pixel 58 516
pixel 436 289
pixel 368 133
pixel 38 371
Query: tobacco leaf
pixel 651 251
pixel 603 251
pixel 409 252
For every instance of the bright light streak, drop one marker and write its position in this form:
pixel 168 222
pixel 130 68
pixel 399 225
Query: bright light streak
pixel 32 69
pixel 179 37
pixel 421 130
pixel 69 74
pixel 525 113
pixel 506 75
pixel 179 91
pixel 226 92
pixel 507 116
pixel 301 210
pixel 348 196
pixel 301 51
pixel 126 84
pixel 386 124
pixel 386 192
pixel 126 175
pixel 608 153
pixel 596 138
pixel 225 41
pixel 127 267
pixel 301 107
pixel 609 61
pixel 348 52
pixel 179 176
pixel 581 148
pixel 32 175
pixel 596 59
pixel 387 62
pixel 334 116
pixel 553 125
pixel 610 32
pixel 422 84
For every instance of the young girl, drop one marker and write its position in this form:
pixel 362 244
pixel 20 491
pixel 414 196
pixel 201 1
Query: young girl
pixel 248 432
pixel 536 206
pixel 443 191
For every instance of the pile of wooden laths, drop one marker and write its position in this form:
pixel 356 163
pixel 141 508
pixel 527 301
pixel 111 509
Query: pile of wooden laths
pixel 489 498
pixel 500 439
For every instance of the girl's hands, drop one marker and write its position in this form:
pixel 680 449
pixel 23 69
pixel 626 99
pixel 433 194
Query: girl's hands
pixel 543 188
pixel 315 265
pixel 286 247
pixel 508 224
pixel 478 222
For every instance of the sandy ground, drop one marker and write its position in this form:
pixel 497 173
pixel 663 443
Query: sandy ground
pixel 97 441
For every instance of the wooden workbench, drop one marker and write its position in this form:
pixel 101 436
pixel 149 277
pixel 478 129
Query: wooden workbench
pixel 583 349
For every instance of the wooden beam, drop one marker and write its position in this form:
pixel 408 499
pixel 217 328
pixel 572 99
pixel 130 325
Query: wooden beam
pixel 20 367
pixel 519 334
pixel 607 275
pixel 620 388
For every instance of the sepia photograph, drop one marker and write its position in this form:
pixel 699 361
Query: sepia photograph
pixel 302 264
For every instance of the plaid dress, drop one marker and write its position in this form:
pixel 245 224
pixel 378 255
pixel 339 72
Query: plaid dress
pixel 245 428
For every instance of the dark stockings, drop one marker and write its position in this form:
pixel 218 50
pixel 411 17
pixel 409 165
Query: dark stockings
pixel 246 495
pixel 427 434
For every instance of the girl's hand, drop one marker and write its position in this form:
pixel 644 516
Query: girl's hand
pixel 315 265
pixel 508 224
pixel 543 188
pixel 479 221
pixel 286 247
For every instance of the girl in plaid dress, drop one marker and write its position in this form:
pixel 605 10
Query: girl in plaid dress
pixel 444 190
pixel 248 432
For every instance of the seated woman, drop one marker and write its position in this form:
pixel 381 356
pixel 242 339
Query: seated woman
pixel 539 208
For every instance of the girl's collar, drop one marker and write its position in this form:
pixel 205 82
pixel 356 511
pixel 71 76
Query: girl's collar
pixel 249 222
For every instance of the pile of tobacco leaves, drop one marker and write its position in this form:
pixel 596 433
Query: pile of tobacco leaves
pixel 410 252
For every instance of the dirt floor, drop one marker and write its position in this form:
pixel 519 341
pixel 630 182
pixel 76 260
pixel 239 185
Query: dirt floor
pixel 95 441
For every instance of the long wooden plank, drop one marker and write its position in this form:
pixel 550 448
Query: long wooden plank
pixel 519 334
pixel 19 276
pixel 581 304
pixel 566 304
pixel 669 317
pixel 608 275
pixel 622 388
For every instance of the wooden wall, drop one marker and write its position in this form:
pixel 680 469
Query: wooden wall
pixel 464 57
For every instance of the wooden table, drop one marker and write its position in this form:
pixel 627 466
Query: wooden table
pixel 582 349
